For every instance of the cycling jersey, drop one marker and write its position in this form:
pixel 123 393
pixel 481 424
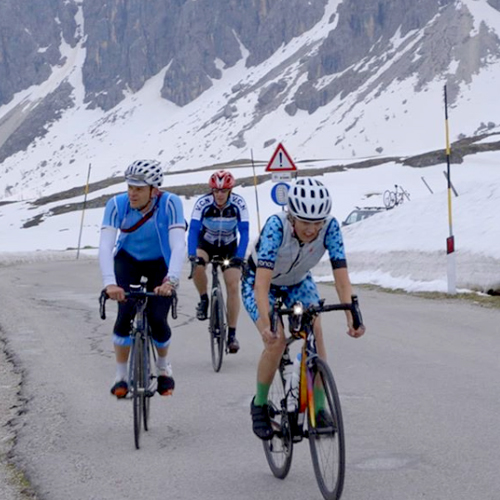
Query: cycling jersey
pixel 152 240
pixel 290 259
pixel 219 226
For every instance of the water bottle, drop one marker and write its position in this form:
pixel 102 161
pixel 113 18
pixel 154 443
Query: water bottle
pixel 293 393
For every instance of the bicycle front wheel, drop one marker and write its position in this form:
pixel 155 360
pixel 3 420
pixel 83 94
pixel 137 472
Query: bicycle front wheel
pixel 149 378
pixel 326 433
pixel 217 329
pixel 138 387
pixel 279 449
pixel 389 199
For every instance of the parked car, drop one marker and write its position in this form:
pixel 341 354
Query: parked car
pixel 360 213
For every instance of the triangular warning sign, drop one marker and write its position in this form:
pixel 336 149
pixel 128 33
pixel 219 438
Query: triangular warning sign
pixel 280 161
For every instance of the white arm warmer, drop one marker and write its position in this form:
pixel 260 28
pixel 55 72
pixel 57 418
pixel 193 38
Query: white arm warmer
pixel 177 241
pixel 106 262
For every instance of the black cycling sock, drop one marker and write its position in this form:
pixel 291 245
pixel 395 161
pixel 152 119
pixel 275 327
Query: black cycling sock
pixel 232 332
pixel 204 297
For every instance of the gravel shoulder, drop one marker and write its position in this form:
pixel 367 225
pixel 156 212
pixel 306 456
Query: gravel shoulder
pixel 13 484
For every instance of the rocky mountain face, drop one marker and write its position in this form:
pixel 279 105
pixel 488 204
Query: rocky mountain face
pixel 127 42
pixel 31 35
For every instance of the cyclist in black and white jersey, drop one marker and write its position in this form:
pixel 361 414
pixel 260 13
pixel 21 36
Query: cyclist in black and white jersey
pixel 218 218
pixel 290 245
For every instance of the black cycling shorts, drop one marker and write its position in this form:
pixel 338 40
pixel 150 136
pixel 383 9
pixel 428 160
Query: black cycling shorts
pixel 223 251
pixel 128 271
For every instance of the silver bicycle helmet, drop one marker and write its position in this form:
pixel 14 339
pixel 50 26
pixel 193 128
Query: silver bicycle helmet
pixel 309 200
pixel 144 173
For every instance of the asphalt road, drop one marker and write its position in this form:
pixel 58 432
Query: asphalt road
pixel 420 396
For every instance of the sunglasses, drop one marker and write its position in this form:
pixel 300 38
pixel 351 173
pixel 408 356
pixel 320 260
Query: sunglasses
pixel 216 190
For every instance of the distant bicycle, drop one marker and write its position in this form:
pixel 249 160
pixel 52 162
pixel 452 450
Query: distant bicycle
pixel 217 326
pixel 142 359
pixel 396 197
pixel 305 389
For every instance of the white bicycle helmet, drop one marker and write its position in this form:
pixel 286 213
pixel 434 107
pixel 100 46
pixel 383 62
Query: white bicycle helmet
pixel 144 173
pixel 309 200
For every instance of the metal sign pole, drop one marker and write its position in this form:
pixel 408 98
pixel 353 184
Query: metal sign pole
pixel 450 241
pixel 256 194
pixel 83 212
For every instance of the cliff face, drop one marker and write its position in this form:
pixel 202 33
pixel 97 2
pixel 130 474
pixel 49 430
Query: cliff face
pixel 366 45
pixel 128 42
pixel 31 33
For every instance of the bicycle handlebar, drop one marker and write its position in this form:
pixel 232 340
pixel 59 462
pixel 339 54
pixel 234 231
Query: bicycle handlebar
pixel 223 262
pixel 138 294
pixel 312 310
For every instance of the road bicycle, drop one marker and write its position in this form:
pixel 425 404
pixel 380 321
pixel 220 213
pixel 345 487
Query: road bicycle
pixel 315 399
pixel 142 359
pixel 217 325
pixel 396 197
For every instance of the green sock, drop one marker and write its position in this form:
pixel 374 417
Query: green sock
pixel 262 393
pixel 319 398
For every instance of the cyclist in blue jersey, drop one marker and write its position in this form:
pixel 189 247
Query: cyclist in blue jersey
pixel 290 245
pixel 142 234
pixel 218 217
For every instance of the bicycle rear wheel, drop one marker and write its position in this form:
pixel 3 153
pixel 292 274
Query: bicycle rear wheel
pixel 279 449
pixel 138 387
pixel 326 438
pixel 217 329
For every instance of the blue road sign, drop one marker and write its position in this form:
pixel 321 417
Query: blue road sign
pixel 279 193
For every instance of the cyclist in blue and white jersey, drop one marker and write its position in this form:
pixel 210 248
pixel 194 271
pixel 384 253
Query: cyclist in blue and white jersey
pixel 290 244
pixel 143 234
pixel 218 217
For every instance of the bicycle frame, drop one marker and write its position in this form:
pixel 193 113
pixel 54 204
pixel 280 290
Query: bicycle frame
pixel 218 262
pixel 140 333
pixel 400 194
